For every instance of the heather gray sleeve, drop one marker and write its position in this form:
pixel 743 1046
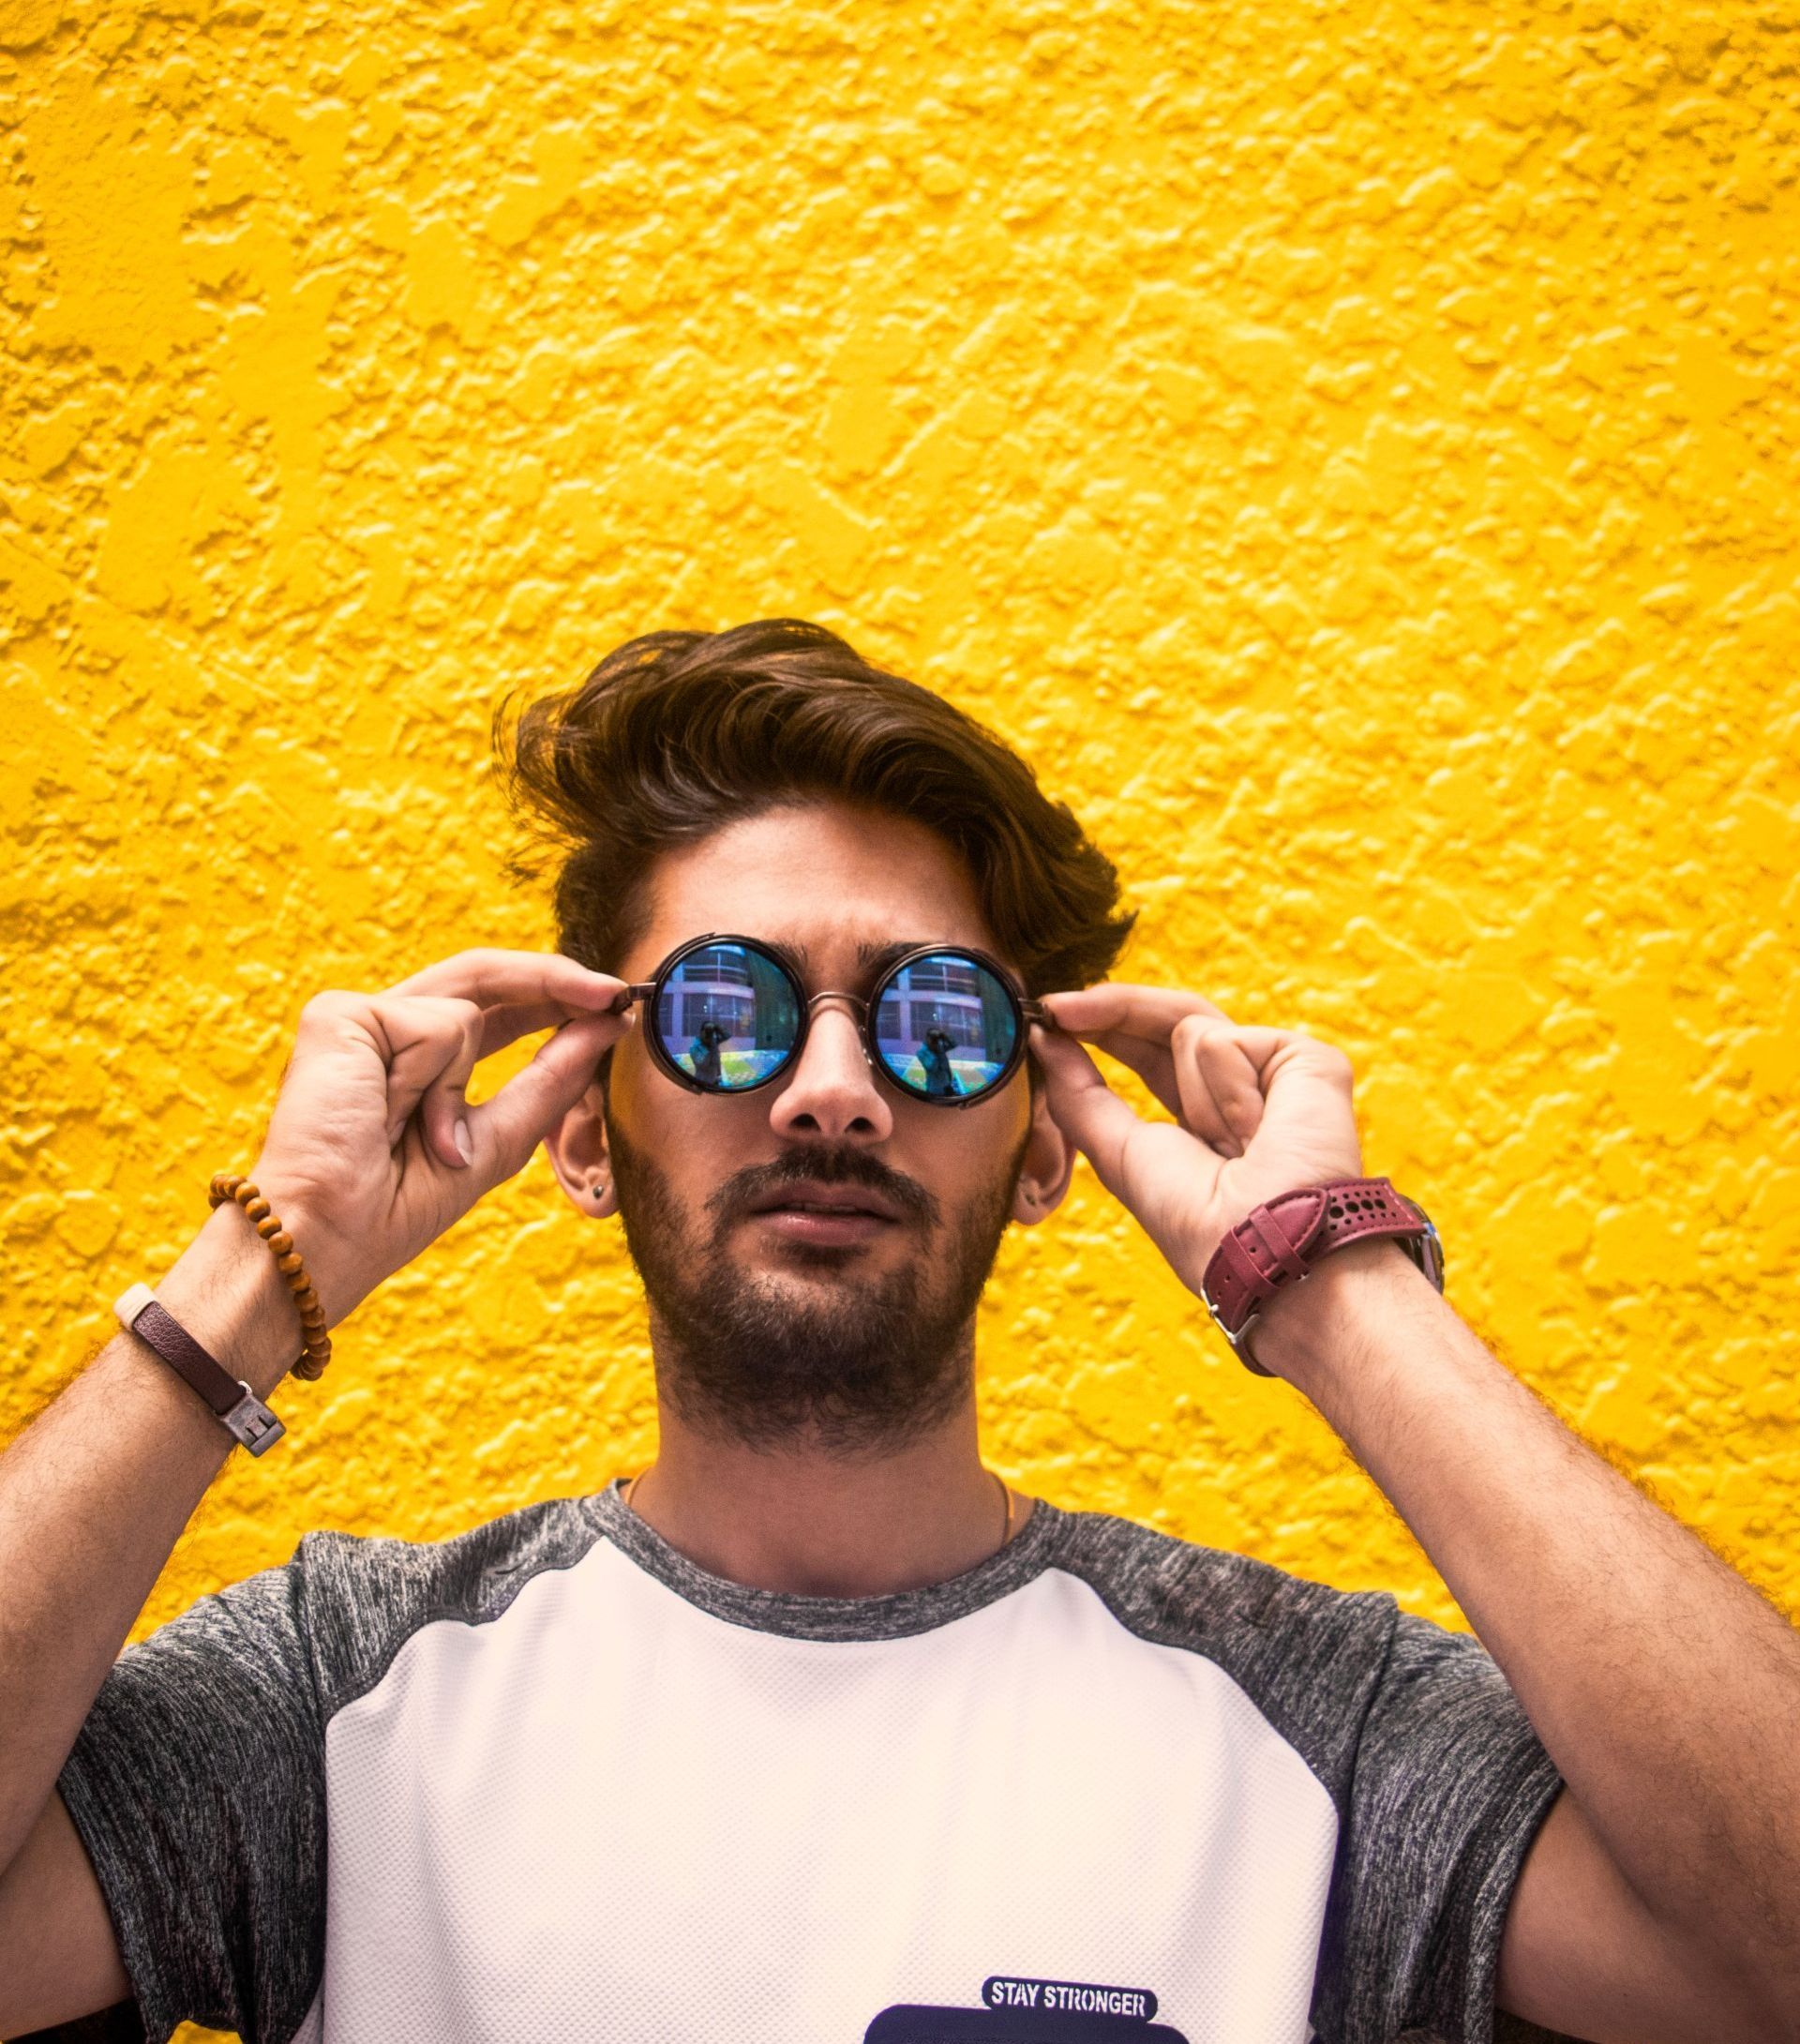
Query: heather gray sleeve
pixel 1449 1786
pixel 197 1785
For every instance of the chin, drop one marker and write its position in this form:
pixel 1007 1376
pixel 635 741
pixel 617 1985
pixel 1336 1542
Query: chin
pixel 824 1258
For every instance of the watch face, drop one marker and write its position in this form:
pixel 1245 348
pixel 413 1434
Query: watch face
pixel 1428 1248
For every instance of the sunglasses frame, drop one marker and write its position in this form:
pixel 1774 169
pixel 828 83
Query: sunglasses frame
pixel 649 991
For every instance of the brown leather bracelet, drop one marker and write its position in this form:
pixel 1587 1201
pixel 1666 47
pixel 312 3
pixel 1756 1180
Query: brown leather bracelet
pixel 239 1410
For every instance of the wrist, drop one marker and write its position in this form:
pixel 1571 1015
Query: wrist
pixel 1322 1322
pixel 226 1290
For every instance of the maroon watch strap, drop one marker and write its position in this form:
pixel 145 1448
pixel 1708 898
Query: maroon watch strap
pixel 1278 1244
pixel 244 1414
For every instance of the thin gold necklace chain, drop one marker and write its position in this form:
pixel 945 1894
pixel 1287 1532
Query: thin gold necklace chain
pixel 1006 1533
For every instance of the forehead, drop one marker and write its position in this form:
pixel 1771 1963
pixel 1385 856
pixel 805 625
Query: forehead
pixel 833 883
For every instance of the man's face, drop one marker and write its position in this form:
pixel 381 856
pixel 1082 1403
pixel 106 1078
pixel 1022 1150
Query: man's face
pixel 812 1252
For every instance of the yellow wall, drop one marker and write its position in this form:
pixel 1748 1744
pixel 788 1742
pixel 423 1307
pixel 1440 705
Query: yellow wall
pixel 1351 449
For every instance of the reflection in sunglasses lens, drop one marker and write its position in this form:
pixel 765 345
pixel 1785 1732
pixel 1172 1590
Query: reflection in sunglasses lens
pixel 946 1026
pixel 727 1016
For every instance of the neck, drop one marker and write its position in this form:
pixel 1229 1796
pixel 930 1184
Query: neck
pixel 813 1525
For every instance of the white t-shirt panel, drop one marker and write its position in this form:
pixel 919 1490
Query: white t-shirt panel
pixel 612 1815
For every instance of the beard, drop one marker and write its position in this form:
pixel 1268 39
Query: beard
pixel 859 1366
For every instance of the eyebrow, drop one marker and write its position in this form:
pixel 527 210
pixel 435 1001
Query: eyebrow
pixel 870 958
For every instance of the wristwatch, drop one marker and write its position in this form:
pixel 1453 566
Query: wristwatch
pixel 1278 1244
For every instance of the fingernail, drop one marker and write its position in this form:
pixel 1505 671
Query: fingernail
pixel 465 1148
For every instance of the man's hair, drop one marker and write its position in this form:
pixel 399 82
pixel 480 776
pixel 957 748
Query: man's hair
pixel 676 734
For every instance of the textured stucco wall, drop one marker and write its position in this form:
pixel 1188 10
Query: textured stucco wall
pixel 1352 449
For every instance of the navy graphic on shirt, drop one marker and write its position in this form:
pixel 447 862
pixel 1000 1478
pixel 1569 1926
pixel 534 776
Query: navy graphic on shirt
pixel 1020 2011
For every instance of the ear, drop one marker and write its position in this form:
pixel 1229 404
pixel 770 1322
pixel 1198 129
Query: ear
pixel 1049 1162
pixel 580 1155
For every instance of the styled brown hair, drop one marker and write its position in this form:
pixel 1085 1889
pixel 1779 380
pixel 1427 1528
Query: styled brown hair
pixel 675 734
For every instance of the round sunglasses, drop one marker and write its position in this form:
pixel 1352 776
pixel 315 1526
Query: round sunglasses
pixel 943 1024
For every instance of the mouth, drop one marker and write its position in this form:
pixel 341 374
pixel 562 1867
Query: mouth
pixel 809 1211
pixel 809 1196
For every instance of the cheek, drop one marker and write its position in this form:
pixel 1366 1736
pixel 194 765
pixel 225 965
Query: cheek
pixel 626 1084
pixel 997 1127
pixel 693 1142
pixel 960 1154
pixel 648 1108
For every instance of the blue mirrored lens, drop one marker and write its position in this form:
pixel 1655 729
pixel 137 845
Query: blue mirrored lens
pixel 946 1027
pixel 727 1016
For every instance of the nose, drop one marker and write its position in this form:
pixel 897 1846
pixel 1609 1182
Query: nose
pixel 831 1092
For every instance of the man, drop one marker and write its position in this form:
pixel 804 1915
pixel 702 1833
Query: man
pixel 814 1730
pixel 703 1052
pixel 940 1075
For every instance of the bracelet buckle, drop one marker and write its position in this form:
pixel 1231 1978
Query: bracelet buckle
pixel 252 1424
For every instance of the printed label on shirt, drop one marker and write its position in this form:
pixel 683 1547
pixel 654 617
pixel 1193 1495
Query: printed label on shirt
pixel 1071 1997
pixel 1016 2009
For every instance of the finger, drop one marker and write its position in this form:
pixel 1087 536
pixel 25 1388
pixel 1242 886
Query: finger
pixel 1239 1067
pixel 1084 1107
pixel 506 1128
pixel 494 979
pixel 1152 1063
pixel 506 1024
pixel 1195 1058
pixel 1306 1085
pixel 1220 1069
pixel 507 1021
pixel 429 1047
pixel 1115 1007
pixel 1134 1024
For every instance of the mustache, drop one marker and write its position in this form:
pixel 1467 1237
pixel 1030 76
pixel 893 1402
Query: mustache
pixel 843 1165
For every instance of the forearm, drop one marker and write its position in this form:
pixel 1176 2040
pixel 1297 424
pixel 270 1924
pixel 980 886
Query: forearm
pixel 1666 1690
pixel 96 1491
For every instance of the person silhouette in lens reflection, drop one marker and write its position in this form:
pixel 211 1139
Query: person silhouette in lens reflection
pixel 934 1054
pixel 704 1052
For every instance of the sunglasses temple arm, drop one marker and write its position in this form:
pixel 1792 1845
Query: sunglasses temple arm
pixel 632 995
pixel 1035 1011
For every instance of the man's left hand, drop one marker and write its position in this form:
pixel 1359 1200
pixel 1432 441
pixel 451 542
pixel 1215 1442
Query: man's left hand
pixel 1258 1112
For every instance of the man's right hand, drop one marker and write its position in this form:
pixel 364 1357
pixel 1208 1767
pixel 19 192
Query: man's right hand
pixel 365 1158
pixel 362 1165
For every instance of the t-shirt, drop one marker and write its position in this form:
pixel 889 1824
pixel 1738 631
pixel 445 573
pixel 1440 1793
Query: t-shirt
pixel 548 1781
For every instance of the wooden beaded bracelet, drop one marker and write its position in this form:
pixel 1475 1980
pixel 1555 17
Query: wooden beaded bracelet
pixel 227 1186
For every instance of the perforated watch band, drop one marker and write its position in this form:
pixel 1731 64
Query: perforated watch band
pixel 1278 1244
pixel 239 1410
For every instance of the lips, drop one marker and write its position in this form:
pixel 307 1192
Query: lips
pixel 811 1196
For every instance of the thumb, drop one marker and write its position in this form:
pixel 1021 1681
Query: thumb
pixel 506 1128
pixel 1086 1110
